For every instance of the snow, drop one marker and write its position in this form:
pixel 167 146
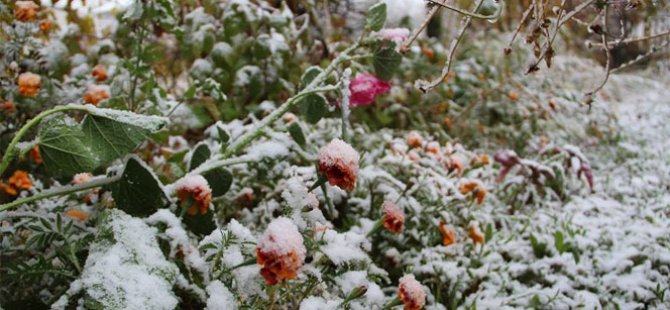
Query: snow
pixel 339 151
pixel 268 149
pixel 282 237
pixel 220 298
pixel 151 122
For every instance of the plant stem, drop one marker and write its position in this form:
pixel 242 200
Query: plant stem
pixel 10 153
pixel 138 58
pixel 63 190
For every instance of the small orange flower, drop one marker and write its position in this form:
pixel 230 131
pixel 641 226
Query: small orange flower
pixel 433 148
pixel 18 181
pixel 448 234
pixel 94 94
pixel 475 234
pixel 280 252
pixel 394 218
pixel 195 194
pixel 480 160
pixel 411 293
pixel 512 95
pixel 77 214
pixel 29 84
pixel 454 163
pixel 99 73
pixel 475 187
pixel 8 107
pixel 25 11
pixel 414 139
pixel 35 155
pixel 339 162
pixel 45 25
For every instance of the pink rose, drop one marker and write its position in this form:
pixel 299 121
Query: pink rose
pixel 365 87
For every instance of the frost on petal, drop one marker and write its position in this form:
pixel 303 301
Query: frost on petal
pixel 339 162
pixel 280 252
pixel 394 218
pixel 365 88
pixel 194 193
pixel 411 293
pixel 397 35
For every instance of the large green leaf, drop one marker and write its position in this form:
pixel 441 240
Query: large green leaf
pixel 112 139
pixel 199 156
pixel 219 181
pixel 313 107
pixel 376 17
pixel 138 192
pixel 63 147
pixel 386 61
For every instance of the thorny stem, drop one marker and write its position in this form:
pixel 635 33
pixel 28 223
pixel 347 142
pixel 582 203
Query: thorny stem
pixel 59 191
pixel 425 86
pixel 11 151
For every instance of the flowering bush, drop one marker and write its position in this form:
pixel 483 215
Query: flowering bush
pixel 283 155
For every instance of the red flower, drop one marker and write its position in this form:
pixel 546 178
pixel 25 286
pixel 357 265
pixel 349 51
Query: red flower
pixel 365 88
pixel 394 218
pixel 195 194
pixel 339 162
pixel 281 251
pixel 411 293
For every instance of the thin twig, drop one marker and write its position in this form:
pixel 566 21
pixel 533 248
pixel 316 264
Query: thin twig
pixel 608 53
pixel 418 31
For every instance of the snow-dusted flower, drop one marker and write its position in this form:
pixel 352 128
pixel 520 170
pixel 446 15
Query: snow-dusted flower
pixel 414 139
pixel 29 84
pixel 45 25
pixel 397 35
pixel 8 107
pixel 289 118
pixel 95 94
pixel 77 214
pixel 475 234
pixel 480 160
pixel 194 193
pixel 365 88
pixel 25 10
pixel 475 187
pixel 81 178
pixel 18 181
pixel 394 218
pixel 411 293
pixel 448 234
pixel 433 148
pixel 35 155
pixel 507 159
pixel 99 73
pixel 454 163
pixel 339 162
pixel 281 251
pixel 413 156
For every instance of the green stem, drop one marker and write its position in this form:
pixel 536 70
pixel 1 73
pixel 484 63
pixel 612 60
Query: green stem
pixel 63 190
pixel 11 153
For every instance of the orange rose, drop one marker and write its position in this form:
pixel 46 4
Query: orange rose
pixel 29 84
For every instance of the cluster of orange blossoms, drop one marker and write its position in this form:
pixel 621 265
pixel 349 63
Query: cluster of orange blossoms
pixel 17 182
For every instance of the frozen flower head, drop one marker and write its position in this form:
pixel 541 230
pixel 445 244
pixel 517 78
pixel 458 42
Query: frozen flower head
pixel 394 218
pixel 45 25
pixel 99 73
pixel 365 88
pixel 480 160
pixel 18 181
pixel 397 35
pixel 8 107
pixel 339 162
pixel 448 234
pixel 96 93
pixel 81 178
pixel 476 188
pixel 454 163
pixel 25 11
pixel 414 139
pixel 433 149
pixel 78 215
pixel 475 234
pixel 280 252
pixel 194 193
pixel 29 84
pixel 411 293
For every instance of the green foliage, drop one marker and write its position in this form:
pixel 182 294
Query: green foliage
pixel 138 192
pixel 376 17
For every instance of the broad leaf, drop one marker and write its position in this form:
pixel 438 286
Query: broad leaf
pixel 138 192
pixel 296 133
pixel 313 107
pixel 376 17
pixel 309 75
pixel 199 156
pixel 111 139
pixel 63 147
pixel 219 181
pixel 386 61
pixel 201 224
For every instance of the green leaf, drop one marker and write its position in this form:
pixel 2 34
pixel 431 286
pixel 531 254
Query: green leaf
pixel 539 248
pixel 313 107
pixel 190 93
pixel 296 133
pixel 201 224
pixel 63 147
pixel 138 192
pixel 111 139
pixel 224 136
pixel 219 181
pixel 489 232
pixel 199 156
pixel 386 61
pixel 376 17
pixel 309 75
